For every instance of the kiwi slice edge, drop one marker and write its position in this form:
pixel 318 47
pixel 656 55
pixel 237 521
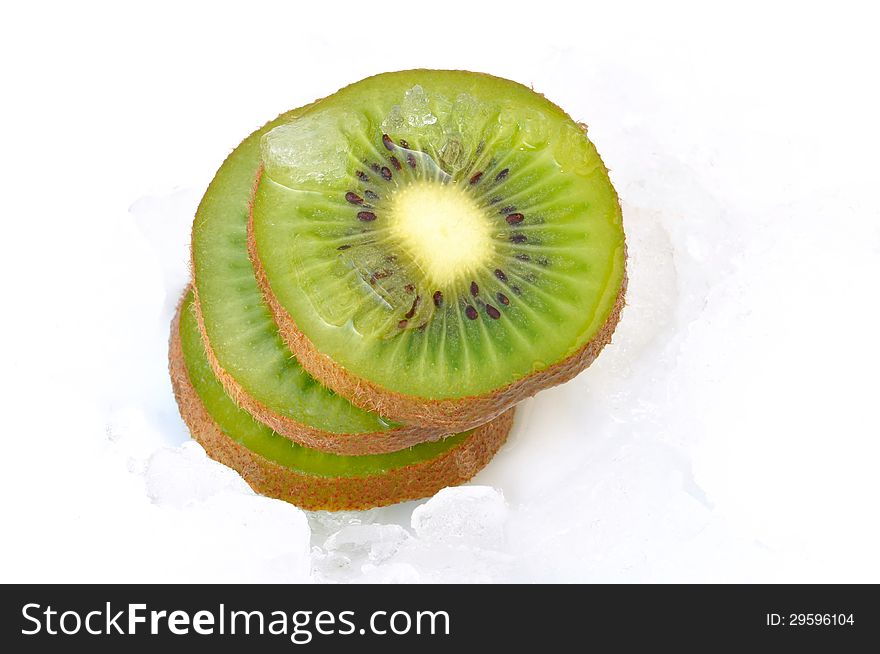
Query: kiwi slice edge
pixel 216 423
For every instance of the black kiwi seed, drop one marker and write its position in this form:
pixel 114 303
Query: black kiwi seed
pixel 475 290
pixel 366 216
pixel 438 299
pixel 475 178
pixel 386 140
pixel 404 144
pixel 495 200
pixel 409 288
pixel 470 312
pixel 370 195
pixel 375 167
pixel 502 298
pixel 518 238
pixel 386 173
pixel 522 256
pixel 494 313
pixel 508 209
pixel 410 159
pixel 379 274
pixel 412 309
pixel 344 247
pixel 354 198
pixel 362 176
pixel 500 274
pixel 396 163
pixel 402 324
pixel 514 218
pixel 502 174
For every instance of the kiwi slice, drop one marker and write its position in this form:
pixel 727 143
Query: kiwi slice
pixel 276 466
pixel 438 245
pixel 243 345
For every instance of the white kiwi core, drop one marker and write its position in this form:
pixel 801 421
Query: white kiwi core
pixel 447 235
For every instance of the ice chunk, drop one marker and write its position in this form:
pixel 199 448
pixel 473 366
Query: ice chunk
pixel 324 523
pixel 310 150
pixel 180 476
pixel 416 109
pixel 573 151
pixel 467 515
pixel 530 126
pixel 466 110
pixel 376 542
pixel 329 566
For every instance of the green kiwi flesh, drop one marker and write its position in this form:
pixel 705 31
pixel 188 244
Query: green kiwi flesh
pixel 439 234
pixel 241 427
pixel 242 335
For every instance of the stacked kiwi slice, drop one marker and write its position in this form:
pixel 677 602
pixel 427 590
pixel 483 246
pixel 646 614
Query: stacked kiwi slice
pixel 380 276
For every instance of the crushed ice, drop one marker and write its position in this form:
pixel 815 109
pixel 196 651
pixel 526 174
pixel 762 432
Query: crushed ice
pixel 310 149
pixel 457 535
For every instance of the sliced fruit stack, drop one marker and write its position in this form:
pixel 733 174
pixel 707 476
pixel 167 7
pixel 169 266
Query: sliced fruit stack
pixel 380 276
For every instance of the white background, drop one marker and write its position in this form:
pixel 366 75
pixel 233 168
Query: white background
pixel 730 432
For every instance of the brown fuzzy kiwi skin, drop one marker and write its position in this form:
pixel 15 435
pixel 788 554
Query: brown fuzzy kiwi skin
pixel 379 442
pixel 416 481
pixel 454 415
